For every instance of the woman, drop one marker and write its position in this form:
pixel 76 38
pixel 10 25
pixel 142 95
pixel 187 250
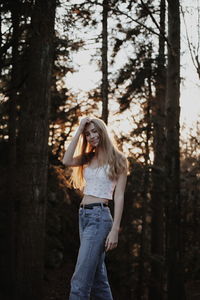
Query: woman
pixel 100 169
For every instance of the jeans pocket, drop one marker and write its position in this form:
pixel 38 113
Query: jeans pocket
pixel 80 211
pixel 107 217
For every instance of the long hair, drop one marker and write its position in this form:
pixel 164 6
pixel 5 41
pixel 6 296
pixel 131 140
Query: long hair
pixel 111 155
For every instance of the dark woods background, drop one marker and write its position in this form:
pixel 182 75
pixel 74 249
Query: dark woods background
pixel 158 255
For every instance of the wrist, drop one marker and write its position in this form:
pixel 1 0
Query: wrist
pixel 115 228
pixel 79 131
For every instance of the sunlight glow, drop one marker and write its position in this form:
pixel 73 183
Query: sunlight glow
pixel 88 77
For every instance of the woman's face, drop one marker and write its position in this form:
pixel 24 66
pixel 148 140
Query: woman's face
pixel 91 134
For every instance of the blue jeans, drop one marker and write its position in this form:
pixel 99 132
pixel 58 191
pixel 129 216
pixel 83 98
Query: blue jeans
pixel 90 275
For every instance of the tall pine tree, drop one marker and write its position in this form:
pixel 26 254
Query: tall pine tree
pixel 32 158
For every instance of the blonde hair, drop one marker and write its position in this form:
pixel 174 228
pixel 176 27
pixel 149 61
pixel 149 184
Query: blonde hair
pixel 111 155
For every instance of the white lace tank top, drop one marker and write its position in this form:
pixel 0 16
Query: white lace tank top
pixel 98 183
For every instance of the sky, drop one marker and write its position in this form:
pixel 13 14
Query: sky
pixel 190 87
pixel 88 76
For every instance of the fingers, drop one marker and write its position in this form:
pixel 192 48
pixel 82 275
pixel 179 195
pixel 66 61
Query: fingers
pixel 84 121
pixel 87 119
pixel 110 246
pixel 111 241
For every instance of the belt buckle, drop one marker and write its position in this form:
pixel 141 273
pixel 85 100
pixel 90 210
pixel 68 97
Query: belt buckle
pixel 89 206
pixel 86 206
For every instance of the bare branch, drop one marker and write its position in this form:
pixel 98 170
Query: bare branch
pixel 141 24
pixel 194 56
pixel 155 22
pixel 134 20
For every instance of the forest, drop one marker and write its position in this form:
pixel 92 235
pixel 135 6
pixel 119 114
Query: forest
pixel 136 64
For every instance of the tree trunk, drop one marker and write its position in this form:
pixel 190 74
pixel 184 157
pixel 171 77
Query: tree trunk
pixel 33 153
pixel 175 282
pixel 144 249
pixel 104 86
pixel 11 182
pixel 1 38
pixel 158 180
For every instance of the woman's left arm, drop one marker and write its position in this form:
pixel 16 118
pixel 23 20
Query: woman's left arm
pixel 112 238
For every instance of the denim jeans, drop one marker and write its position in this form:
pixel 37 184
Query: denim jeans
pixel 90 275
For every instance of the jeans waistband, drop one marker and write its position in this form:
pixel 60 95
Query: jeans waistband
pixel 91 205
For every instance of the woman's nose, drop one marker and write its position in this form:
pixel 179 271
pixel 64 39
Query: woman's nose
pixel 92 135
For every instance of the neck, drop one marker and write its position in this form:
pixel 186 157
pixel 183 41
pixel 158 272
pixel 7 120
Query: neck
pixel 99 155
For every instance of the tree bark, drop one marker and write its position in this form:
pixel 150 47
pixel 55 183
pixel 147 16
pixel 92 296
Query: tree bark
pixel 11 181
pixel 104 86
pixel 158 179
pixel 144 248
pixel 33 153
pixel 1 5
pixel 175 281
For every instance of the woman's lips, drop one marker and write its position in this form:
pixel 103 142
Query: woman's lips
pixel 95 141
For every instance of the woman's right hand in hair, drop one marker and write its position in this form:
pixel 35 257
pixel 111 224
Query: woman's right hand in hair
pixel 69 159
pixel 83 122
